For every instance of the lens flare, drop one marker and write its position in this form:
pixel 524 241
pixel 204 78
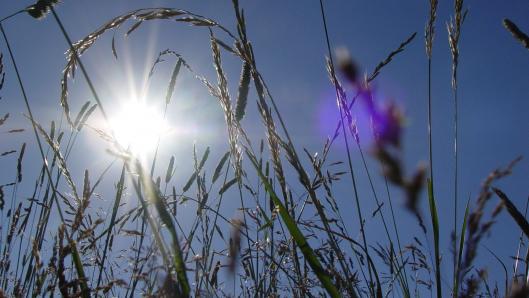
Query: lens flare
pixel 138 126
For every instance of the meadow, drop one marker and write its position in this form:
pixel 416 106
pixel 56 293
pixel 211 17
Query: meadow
pixel 151 155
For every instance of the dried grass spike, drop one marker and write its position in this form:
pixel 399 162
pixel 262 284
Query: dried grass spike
pixel 388 59
pixel 8 152
pixel 429 31
pixel 2 202
pixel 41 8
pixel 516 32
pixel 513 211
pixel 19 162
pixel 2 72
pixel 242 95
pixel 4 119
pixel 62 162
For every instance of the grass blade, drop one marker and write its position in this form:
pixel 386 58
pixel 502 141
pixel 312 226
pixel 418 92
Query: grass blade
pixel 81 113
pixel 155 196
pixel 226 186
pixel 169 173
pixel 85 117
pixel 172 83
pixel 114 52
pixel 85 291
pixel 435 227
pixel 219 167
pixel 460 251
pixel 199 168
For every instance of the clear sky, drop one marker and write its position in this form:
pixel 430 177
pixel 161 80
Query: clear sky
pixel 289 45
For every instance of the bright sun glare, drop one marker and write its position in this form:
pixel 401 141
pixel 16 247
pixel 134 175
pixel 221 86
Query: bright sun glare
pixel 138 126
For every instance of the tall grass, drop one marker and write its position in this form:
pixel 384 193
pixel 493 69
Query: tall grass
pixel 290 235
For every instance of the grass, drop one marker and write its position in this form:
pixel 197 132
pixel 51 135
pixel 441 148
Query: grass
pixel 290 237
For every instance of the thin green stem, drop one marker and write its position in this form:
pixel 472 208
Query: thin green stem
pixel 456 169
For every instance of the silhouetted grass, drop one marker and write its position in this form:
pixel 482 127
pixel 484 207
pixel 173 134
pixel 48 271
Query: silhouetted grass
pixel 290 235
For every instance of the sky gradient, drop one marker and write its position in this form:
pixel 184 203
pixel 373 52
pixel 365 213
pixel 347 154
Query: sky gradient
pixel 289 44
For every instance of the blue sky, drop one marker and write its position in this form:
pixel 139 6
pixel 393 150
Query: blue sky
pixel 289 45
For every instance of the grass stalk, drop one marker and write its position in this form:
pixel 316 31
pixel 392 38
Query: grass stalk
pixel 152 193
pixel 296 234
pixel 349 159
pixel 454 32
pixel 117 201
pixel 75 254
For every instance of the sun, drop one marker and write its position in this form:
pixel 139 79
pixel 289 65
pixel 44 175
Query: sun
pixel 138 126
